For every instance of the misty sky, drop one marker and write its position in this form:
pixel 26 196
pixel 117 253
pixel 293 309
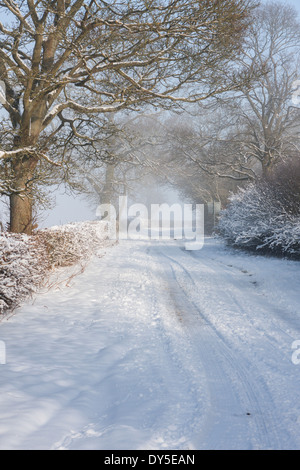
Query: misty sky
pixel 295 3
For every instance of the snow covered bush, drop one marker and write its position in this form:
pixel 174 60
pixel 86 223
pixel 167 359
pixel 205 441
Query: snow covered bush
pixel 23 263
pixel 26 261
pixel 266 215
pixel 68 244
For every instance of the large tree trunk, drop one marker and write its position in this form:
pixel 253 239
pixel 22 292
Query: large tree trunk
pixel 267 163
pixel 21 200
pixel 21 213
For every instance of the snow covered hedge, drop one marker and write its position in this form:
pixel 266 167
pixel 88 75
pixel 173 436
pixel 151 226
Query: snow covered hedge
pixel 68 244
pixel 265 216
pixel 25 261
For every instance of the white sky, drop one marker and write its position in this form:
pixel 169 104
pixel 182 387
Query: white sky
pixel 295 3
pixel 68 209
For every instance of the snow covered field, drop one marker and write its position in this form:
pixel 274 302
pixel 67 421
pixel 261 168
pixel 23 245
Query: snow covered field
pixel 155 347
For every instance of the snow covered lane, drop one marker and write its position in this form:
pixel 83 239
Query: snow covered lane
pixel 154 347
pixel 243 318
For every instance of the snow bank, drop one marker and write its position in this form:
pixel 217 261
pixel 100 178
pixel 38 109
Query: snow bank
pixel 25 261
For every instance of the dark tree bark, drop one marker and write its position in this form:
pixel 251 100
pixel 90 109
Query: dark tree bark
pixel 21 199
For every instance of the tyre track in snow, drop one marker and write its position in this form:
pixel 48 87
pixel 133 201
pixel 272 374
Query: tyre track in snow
pixel 281 325
pixel 234 382
pixel 276 323
pixel 180 418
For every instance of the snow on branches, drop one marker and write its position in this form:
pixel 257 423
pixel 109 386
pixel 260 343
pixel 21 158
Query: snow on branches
pixel 71 243
pixel 23 262
pixel 265 216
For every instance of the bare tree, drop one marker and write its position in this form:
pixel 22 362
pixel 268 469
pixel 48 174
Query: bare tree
pixel 190 159
pixel 246 133
pixel 64 61
pixel 261 126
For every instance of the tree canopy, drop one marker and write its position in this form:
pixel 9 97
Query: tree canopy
pixel 62 62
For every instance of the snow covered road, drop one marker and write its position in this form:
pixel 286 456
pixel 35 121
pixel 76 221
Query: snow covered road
pixel 156 347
